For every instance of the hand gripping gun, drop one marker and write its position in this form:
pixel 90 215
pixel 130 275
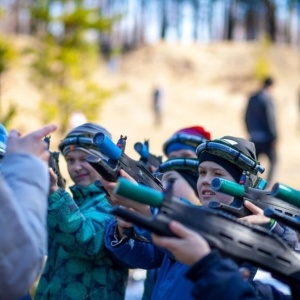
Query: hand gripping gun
pixel 54 164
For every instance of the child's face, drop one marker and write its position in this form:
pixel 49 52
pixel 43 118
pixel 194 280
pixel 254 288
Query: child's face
pixel 81 172
pixel 208 170
pixel 181 188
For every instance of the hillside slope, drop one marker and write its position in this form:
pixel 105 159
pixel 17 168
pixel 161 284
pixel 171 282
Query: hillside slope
pixel 204 85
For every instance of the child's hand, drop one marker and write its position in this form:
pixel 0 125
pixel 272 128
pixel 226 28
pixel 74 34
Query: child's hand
pixel 188 248
pixel 258 216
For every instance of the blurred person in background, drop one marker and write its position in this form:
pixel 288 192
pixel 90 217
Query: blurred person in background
pixel 260 120
pixel 157 104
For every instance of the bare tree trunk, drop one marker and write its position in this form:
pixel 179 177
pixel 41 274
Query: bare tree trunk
pixel 270 19
pixel 14 16
pixel 288 29
pixel 196 5
pixel 143 20
pixel 251 28
pixel 177 17
pixel 231 20
pixel 164 20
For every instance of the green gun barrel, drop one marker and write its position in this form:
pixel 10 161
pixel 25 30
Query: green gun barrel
pixel 286 193
pixel 227 187
pixel 139 193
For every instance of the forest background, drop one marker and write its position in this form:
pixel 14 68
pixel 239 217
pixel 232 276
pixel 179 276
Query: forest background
pixel 102 60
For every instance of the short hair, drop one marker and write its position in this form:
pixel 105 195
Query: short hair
pixel 268 81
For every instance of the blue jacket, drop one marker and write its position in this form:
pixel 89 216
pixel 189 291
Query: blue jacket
pixel 217 278
pixel 171 282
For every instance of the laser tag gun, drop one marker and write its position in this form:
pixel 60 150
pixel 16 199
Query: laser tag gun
pixel 54 164
pixel 234 238
pixel 150 160
pixel 117 160
pixel 261 198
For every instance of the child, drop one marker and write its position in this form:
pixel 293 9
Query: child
pixel 147 256
pixel 183 142
pixel 214 162
pixel 78 265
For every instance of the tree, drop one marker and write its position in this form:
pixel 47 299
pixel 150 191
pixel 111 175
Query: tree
pixel 63 60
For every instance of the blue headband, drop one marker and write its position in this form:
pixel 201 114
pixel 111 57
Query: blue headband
pixel 179 146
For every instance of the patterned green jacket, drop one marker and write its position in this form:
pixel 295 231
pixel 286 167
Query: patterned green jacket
pixel 78 265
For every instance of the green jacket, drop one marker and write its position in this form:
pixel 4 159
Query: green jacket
pixel 78 265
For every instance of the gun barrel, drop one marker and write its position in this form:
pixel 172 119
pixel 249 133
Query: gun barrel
pixel 286 194
pixel 283 218
pixel 138 193
pixel 227 187
pixel 142 150
pixel 107 146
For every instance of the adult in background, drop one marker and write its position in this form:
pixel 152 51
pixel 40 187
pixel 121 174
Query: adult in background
pixel 260 120
pixel 24 186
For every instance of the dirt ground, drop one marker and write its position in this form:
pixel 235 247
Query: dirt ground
pixel 205 85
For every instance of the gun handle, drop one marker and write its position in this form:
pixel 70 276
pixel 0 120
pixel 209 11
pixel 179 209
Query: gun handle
pixel 103 168
pixel 237 212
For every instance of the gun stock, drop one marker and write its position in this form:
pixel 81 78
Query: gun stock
pixel 234 238
pixel 117 160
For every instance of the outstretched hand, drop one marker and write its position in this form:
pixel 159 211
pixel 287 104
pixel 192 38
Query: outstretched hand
pixel 188 248
pixel 31 143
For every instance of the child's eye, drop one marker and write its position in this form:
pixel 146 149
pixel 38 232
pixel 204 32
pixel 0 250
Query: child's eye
pixel 219 174
pixel 171 179
pixel 202 172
